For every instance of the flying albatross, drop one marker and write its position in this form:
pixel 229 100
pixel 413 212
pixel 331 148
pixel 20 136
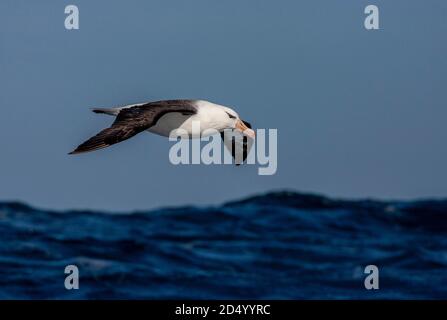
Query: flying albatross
pixel 162 117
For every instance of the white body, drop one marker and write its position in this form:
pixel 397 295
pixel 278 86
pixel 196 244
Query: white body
pixel 209 115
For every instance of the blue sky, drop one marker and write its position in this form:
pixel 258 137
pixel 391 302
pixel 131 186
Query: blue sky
pixel 359 113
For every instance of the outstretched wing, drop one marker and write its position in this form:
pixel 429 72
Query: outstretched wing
pixel 237 143
pixel 131 121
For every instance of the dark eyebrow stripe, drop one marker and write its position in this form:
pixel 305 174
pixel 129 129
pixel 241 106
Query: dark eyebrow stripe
pixel 230 115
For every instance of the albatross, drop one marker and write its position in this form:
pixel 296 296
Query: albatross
pixel 163 117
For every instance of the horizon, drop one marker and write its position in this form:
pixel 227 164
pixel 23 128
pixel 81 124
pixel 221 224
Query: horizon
pixel 265 194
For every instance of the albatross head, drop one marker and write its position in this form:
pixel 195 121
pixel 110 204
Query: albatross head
pixel 235 122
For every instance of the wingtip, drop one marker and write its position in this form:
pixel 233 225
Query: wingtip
pixel 75 151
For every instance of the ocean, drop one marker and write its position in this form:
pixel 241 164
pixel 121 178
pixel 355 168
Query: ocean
pixel 279 245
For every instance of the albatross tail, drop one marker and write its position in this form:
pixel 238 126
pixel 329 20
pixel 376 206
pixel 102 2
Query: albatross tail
pixel 109 111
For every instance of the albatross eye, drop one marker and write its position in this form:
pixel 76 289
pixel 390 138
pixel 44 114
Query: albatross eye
pixel 231 116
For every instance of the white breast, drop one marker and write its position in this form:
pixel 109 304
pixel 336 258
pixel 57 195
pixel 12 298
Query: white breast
pixel 172 121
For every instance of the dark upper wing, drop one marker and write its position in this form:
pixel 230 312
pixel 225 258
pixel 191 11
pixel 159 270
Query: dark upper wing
pixel 131 121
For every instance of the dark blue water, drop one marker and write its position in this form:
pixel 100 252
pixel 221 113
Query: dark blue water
pixel 276 246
